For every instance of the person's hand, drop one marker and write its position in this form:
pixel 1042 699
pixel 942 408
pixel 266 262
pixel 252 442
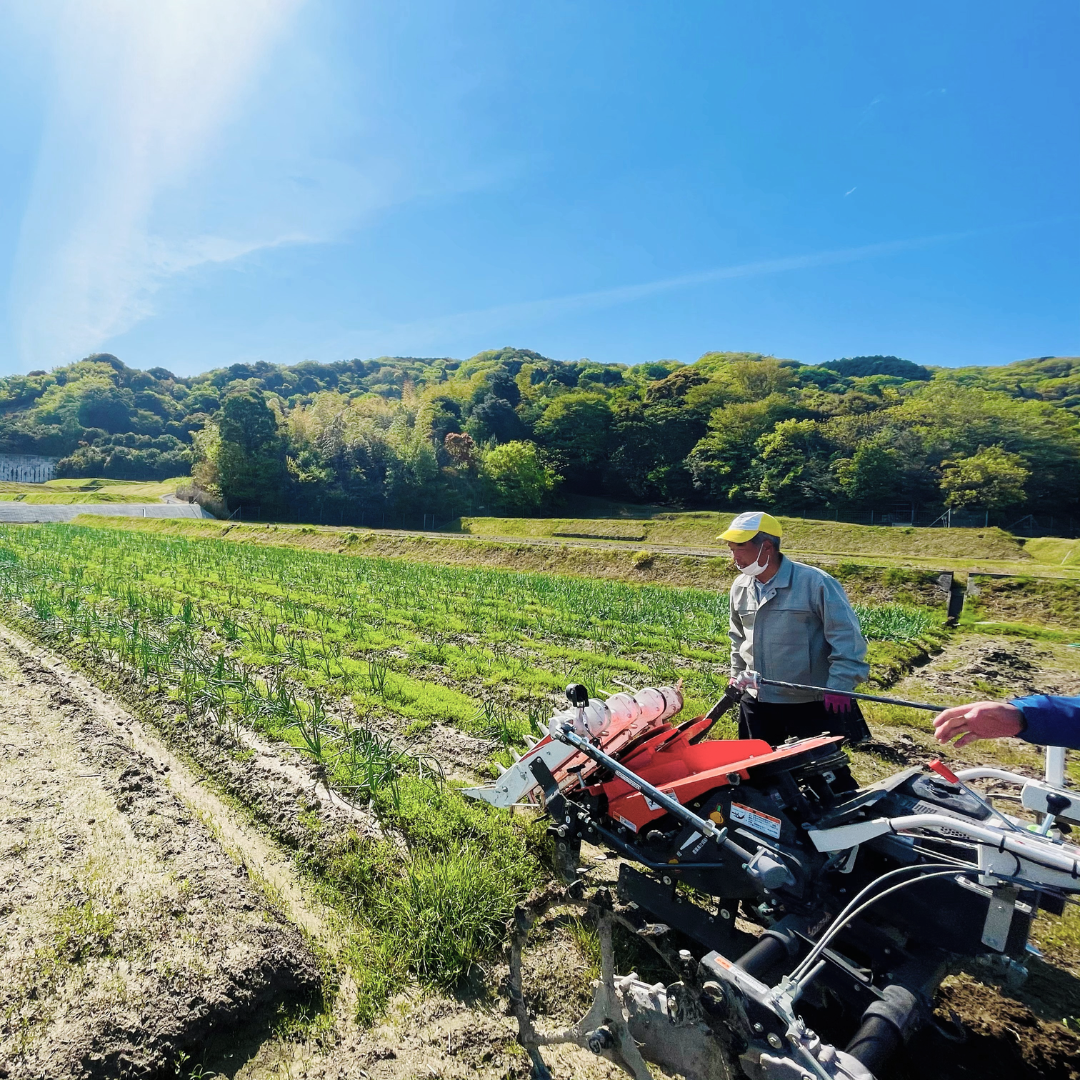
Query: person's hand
pixel 983 720
pixel 838 703
pixel 747 681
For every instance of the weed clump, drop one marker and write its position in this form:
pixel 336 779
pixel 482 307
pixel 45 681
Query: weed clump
pixel 433 916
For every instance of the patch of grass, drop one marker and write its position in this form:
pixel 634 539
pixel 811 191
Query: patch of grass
pixel 891 660
pixel 66 498
pixel 896 622
pixel 1028 631
pixel 586 939
pixel 82 931
pixel 1038 601
pixel 1053 550
pixel 445 912
pixel 90 490
pixel 1060 935
pixel 435 915
pixel 303 1021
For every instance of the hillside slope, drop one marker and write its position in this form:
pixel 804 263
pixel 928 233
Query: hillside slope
pixel 509 430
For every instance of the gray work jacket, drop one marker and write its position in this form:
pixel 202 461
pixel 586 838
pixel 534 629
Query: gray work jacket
pixel 802 630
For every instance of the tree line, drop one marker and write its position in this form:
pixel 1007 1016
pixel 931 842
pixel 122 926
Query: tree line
pixel 511 431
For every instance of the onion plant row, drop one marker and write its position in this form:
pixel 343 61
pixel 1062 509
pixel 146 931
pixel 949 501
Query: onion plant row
pixel 270 636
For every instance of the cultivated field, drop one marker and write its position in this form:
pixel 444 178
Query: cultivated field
pixel 337 704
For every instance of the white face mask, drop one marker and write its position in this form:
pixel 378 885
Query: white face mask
pixel 755 568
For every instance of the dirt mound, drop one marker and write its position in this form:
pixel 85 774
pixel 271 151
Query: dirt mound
pixel 988 666
pixel 1002 1039
pixel 129 938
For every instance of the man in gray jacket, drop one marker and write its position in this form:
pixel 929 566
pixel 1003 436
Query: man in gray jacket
pixel 794 623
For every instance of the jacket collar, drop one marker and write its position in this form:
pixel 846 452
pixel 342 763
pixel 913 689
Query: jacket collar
pixel 780 580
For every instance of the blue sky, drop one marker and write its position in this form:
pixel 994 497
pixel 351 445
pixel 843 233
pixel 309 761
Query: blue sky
pixel 190 184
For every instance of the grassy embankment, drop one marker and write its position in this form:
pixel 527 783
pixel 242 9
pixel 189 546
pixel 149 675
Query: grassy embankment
pixel 991 549
pixel 323 653
pixel 1029 607
pixel 67 492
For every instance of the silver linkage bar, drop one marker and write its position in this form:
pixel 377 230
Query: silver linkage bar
pixel 672 806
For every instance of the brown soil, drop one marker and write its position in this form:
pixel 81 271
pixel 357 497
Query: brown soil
pixel 434 1036
pixel 130 940
pixel 206 869
pixel 1002 1038
pixel 1007 667
pixel 973 667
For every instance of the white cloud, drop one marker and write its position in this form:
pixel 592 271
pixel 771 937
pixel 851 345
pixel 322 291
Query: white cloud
pixel 143 93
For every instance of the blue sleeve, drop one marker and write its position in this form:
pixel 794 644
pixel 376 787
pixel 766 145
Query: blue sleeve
pixel 1050 721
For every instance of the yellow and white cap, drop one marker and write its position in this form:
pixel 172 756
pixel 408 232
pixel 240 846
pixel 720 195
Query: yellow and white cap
pixel 747 526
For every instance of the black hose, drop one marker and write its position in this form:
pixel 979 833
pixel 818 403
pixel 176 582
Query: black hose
pixel 875 1042
pixel 780 942
pixel 763 955
pixel 885 1026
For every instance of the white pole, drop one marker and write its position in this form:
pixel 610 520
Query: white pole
pixel 1055 766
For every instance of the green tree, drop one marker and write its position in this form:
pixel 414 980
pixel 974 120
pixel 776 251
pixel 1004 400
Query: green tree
pixel 873 475
pixel 992 479
pixel 412 468
pixel 250 455
pixel 792 465
pixel 957 422
pixel 577 426
pixel 517 479
pixel 723 462
pixel 648 447
pixel 494 419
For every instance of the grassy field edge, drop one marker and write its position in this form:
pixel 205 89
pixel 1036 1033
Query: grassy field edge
pixel 864 582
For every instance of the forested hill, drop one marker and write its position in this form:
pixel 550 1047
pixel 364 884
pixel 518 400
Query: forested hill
pixel 509 429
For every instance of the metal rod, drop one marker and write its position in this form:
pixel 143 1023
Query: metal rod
pixel 852 694
pixel 672 806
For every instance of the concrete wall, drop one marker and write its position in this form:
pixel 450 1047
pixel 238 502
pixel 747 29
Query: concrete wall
pixel 27 468
pixel 26 514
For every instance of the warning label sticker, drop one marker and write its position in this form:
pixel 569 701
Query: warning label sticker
pixel 755 819
pixel 655 805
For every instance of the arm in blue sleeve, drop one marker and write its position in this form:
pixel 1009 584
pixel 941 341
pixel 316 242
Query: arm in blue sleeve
pixel 1050 721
